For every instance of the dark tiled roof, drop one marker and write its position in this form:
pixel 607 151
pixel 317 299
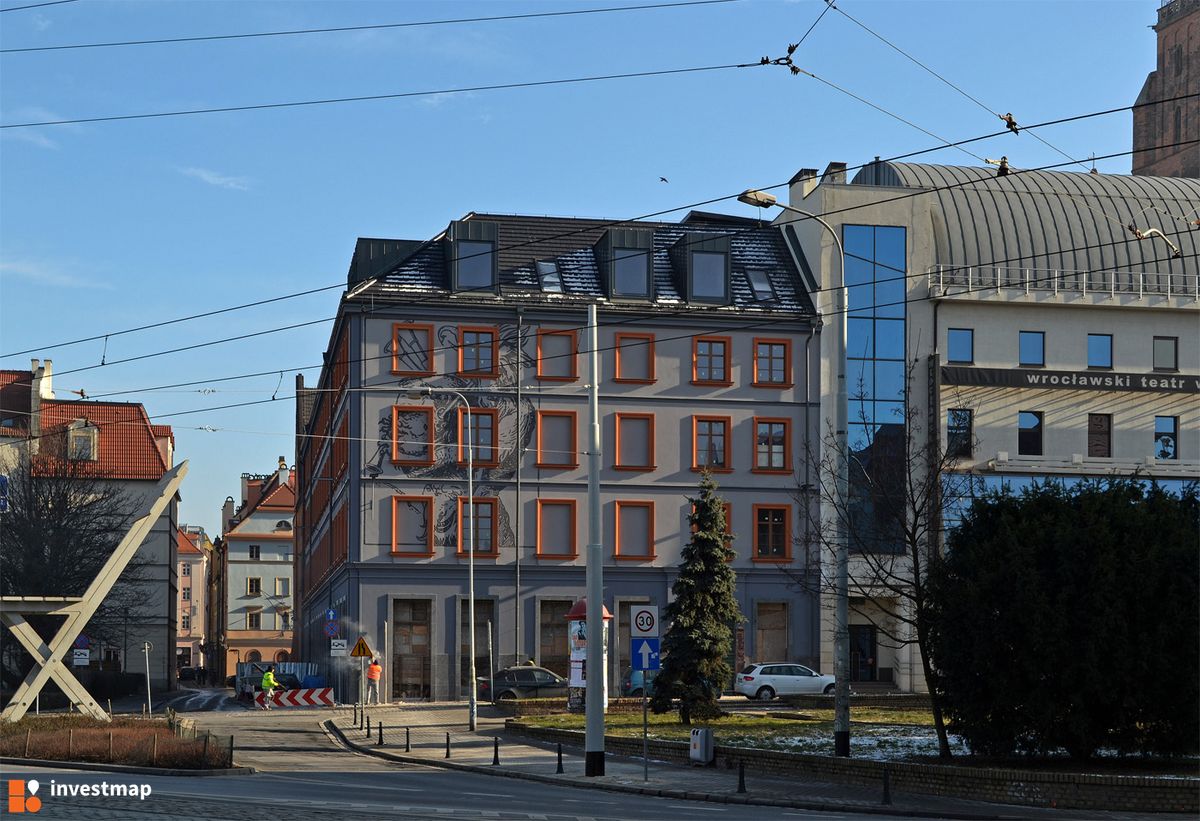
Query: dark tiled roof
pixel 570 242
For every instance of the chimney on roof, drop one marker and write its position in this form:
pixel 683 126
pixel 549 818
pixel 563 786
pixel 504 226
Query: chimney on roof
pixel 801 185
pixel 835 174
pixel 283 471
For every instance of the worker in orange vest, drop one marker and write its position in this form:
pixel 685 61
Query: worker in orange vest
pixel 374 671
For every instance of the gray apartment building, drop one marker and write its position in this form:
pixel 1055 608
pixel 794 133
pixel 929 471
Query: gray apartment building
pixel 1050 322
pixel 706 335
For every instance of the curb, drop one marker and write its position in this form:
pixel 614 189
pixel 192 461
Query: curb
pixel 713 798
pixel 120 768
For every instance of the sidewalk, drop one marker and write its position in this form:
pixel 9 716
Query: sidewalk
pixel 429 724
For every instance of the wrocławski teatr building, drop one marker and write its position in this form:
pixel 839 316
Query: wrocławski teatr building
pixel 707 333
pixel 1050 322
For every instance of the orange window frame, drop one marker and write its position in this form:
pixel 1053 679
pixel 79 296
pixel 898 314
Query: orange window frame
pixel 787 535
pixel 412 326
pixel 787 444
pixel 429 426
pixel 463 330
pixel 648 343
pixel 788 381
pixel 728 517
pixel 479 501
pixel 574 355
pixel 464 437
pixel 726 379
pixel 428 501
pixel 728 450
pixel 558 460
pixel 617 506
pixel 651 453
pixel 574 545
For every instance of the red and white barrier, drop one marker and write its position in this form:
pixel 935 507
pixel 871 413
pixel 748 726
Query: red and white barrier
pixel 310 697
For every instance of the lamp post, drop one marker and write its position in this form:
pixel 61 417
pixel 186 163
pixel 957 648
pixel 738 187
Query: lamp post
pixel 472 704
pixel 841 631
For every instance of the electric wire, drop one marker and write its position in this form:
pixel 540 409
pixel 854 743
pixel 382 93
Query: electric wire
pixel 37 5
pixel 413 24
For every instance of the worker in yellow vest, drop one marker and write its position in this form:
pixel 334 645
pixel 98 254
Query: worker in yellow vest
pixel 268 687
pixel 374 672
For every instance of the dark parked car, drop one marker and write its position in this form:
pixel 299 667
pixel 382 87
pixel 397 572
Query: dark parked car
pixel 523 682
pixel 187 673
pixel 633 681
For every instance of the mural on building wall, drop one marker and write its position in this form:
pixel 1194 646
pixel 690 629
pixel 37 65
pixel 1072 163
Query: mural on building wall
pixel 444 478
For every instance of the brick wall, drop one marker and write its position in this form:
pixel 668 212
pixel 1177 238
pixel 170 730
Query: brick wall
pixel 1023 787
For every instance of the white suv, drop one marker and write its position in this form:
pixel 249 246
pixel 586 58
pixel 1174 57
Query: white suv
pixel 764 681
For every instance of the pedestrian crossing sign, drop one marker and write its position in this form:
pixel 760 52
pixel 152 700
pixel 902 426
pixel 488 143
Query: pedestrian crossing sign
pixel 361 650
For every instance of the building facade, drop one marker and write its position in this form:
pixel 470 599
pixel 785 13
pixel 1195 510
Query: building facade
pixel 706 333
pixel 116 443
pixel 1166 128
pixel 1015 318
pixel 256 555
pixel 193 549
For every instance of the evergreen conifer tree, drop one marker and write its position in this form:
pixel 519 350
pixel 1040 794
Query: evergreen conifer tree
pixel 697 644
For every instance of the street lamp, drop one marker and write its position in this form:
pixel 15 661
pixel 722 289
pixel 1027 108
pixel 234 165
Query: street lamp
pixel 841 631
pixel 472 704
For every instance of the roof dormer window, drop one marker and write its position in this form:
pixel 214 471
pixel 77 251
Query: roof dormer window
pixel 701 263
pixel 549 276
pixel 709 278
pixel 625 259
pixel 631 273
pixel 761 285
pixel 83 442
pixel 471 256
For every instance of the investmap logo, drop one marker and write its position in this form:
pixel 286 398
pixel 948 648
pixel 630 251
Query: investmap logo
pixel 22 796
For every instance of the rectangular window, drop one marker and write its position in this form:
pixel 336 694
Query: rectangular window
pixel 556 356
pixel 631 272
pixel 556 535
pixel 476 265
pixel 960 345
pixel 711 443
pixel 772 445
pixel 486 540
pixel 1100 350
pixel 185 570
pixel 185 593
pixel 478 352
pixel 1032 348
pixel 634 530
pixel 1099 435
pixel 253 586
pixel 412 435
pixel 485 616
pixel 253 619
pixel 82 444
pixel 1166 437
pixel 772 533
pixel 760 283
pixel 185 621
pixel 412 525
pixel 285 619
pixel 412 349
pixel 709 281
pixel 557 439
pixel 1166 353
pixel 549 276
pixel 255 552
pixel 552 635
pixel 634 358
pixel 634 446
pixel 710 360
pixel 959 436
pixel 772 363
pixel 484 436
pixel 1029 433
pixel 283 586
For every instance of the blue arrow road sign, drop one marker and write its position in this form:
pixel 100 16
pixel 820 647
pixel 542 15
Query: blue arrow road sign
pixel 330 615
pixel 645 654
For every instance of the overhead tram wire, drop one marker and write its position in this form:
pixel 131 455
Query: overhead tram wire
pixel 710 201
pixel 333 29
pixel 657 314
pixel 36 5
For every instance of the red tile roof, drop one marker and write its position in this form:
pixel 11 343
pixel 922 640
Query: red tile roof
pixel 185 544
pixel 127 447
pixel 14 400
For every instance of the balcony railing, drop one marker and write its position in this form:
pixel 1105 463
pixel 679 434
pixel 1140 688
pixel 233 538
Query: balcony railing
pixel 950 280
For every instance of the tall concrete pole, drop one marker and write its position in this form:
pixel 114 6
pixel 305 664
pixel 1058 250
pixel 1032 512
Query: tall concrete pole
pixel 472 686
pixel 594 736
pixel 841 631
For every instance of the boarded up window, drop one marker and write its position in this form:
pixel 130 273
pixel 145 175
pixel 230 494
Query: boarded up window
pixel 412 349
pixel 552 635
pixel 412 525
pixel 556 358
pixel 412 435
pixel 634 357
pixel 556 528
pixel 556 439
pixel 635 441
pixel 770 631
pixel 635 529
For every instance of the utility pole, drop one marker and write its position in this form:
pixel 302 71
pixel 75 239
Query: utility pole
pixel 594 736
pixel 146 648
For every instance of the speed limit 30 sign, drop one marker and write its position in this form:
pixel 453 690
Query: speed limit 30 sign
pixel 643 621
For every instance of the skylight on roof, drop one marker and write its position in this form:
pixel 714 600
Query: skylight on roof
pixel 549 276
pixel 763 292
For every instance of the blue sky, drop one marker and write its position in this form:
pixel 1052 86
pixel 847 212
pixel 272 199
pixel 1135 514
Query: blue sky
pixel 105 226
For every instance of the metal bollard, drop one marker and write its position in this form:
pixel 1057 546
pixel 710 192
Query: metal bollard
pixel 447 745
pixel 496 751
pixel 741 776
pixel 887 787
pixel 381 734
pixel 407 741
pixel 368 725
pixel 559 771
pixel 355 720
